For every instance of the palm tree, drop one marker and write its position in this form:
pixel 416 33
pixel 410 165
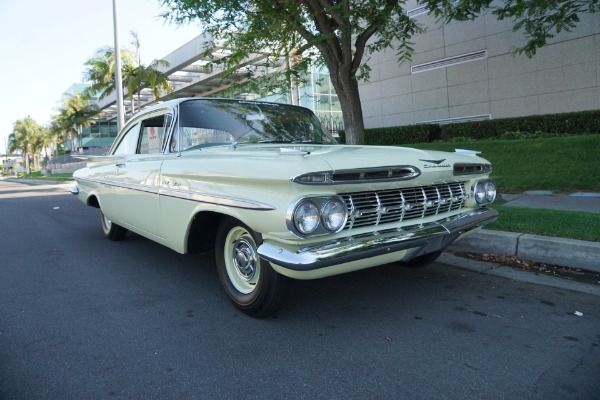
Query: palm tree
pixel 156 80
pixel 77 113
pixel 62 123
pixel 55 134
pixel 138 77
pixel 24 137
pixel 100 72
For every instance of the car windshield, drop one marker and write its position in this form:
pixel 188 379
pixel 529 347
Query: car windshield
pixel 204 123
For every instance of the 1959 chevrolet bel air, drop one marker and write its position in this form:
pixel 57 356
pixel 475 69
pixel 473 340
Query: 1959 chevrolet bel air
pixel 277 197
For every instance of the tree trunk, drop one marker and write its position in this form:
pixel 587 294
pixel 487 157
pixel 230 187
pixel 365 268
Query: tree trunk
pixel 347 91
pixel 80 136
pixel 26 156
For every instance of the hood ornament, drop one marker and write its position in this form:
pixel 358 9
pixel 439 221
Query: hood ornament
pixel 437 162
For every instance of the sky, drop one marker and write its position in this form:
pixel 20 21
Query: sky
pixel 44 45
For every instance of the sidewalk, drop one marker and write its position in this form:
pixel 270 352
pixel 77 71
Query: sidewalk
pixel 549 250
pixel 587 202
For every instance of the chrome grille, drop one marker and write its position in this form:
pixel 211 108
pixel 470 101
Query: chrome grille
pixel 397 205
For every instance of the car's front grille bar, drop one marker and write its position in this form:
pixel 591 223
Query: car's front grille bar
pixel 396 205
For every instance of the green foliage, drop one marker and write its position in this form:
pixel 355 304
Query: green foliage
pixel 536 126
pixel 567 224
pixel 28 137
pixel 539 20
pixel 73 115
pixel 584 122
pixel 401 135
pixel 62 177
pixel 100 71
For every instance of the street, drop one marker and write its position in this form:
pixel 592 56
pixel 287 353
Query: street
pixel 82 317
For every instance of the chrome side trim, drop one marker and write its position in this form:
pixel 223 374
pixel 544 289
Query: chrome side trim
pixel 216 199
pixel 422 238
pixel 187 195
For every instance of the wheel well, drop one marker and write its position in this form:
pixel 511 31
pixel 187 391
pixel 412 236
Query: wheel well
pixel 203 231
pixel 92 201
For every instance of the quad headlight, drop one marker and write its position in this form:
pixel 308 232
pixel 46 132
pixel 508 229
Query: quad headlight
pixel 484 192
pixel 306 217
pixel 318 215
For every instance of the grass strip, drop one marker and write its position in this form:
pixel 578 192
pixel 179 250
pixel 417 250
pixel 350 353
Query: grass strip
pixel 556 223
pixel 37 175
pixel 561 164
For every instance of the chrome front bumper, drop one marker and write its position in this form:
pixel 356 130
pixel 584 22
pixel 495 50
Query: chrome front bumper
pixel 419 239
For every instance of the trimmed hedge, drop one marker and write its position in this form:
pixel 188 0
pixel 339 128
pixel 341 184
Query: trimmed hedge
pixel 585 122
pixel 575 123
pixel 394 135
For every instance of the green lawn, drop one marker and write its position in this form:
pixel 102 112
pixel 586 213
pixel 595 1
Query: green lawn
pixel 561 164
pixel 37 175
pixel 566 224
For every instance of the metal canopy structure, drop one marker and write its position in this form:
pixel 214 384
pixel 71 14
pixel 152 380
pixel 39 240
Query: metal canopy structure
pixel 193 74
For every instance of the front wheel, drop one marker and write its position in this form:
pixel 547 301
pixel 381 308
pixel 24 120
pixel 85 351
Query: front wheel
pixel 250 282
pixel 111 230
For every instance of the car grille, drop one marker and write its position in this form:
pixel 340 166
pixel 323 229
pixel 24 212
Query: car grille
pixel 396 205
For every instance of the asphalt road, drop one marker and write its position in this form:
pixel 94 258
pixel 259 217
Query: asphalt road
pixel 85 318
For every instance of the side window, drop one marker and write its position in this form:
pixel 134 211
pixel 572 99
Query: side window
pixel 196 137
pixel 153 134
pixel 129 142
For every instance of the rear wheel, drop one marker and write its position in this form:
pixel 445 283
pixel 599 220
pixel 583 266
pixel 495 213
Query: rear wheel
pixel 421 261
pixel 250 282
pixel 111 230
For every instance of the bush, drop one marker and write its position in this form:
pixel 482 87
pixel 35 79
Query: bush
pixel 402 134
pixel 535 126
pixel 577 123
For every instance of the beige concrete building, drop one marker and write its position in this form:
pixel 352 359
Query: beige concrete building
pixel 466 71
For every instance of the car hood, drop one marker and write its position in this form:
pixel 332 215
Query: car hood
pixel 344 157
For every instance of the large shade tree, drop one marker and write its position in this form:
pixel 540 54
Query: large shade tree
pixel 343 32
pixel 346 32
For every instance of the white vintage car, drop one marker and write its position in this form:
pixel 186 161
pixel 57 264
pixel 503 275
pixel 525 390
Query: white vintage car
pixel 276 197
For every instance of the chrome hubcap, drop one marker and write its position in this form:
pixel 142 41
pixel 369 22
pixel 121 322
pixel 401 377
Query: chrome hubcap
pixel 242 262
pixel 244 258
pixel 107 222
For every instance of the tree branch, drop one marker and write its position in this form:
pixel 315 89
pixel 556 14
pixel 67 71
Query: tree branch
pixel 362 39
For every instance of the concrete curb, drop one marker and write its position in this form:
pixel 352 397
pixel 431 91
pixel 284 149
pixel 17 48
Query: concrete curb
pixel 38 181
pixel 557 251
pixel 516 275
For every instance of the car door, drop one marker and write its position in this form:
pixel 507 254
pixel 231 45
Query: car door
pixel 136 182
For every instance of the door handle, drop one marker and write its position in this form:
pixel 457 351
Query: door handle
pixel 120 165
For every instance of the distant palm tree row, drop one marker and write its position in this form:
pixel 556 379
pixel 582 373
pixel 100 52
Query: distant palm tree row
pixel 78 111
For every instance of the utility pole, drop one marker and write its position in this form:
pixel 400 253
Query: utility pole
pixel 118 77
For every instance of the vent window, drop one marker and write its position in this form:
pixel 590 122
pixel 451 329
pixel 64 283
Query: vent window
pixel 417 11
pixel 447 62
